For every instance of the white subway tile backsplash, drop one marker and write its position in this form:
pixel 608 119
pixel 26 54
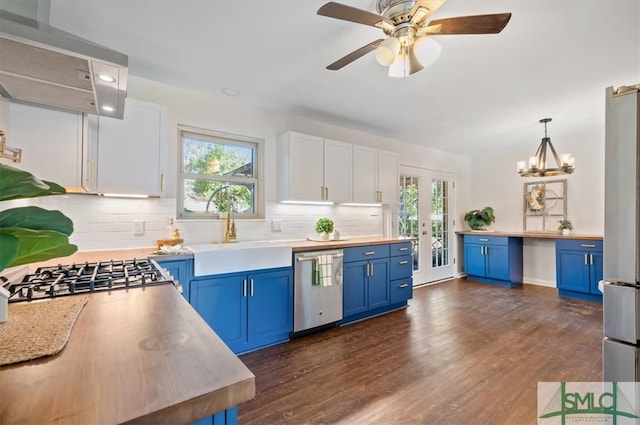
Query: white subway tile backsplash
pixel 102 223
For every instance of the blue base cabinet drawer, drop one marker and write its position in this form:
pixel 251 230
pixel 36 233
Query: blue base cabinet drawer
pixel 401 290
pixel 579 268
pixel 363 253
pixel 401 248
pixel 401 267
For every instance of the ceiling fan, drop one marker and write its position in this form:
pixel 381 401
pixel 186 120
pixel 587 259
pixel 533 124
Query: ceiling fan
pixel 405 24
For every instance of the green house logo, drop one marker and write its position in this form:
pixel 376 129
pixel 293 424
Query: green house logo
pixel 588 403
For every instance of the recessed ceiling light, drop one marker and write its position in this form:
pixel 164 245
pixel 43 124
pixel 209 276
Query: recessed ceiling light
pixel 108 108
pixel 231 92
pixel 107 78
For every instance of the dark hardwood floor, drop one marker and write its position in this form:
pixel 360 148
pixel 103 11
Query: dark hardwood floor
pixel 461 353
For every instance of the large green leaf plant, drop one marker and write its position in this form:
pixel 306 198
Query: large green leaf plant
pixel 30 234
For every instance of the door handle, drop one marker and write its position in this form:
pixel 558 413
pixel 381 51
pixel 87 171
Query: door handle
pixel 591 259
pixel 244 288
pixel 371 269
pixel 403 285
pixel 425 232
pixel 403 262
pixel 251 287
pixel 403 249
pixel 585 260
pixel 369 253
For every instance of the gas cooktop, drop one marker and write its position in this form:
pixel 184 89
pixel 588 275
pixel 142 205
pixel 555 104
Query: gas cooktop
pixel 61 280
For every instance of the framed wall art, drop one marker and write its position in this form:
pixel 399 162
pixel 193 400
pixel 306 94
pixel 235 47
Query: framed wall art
pixel 544 205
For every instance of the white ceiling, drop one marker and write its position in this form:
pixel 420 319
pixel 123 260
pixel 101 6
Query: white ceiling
pixel 484 92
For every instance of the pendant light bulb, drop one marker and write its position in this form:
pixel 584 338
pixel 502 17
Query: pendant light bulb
pixel 387 51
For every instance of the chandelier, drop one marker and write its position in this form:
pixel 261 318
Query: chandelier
pixel 536 166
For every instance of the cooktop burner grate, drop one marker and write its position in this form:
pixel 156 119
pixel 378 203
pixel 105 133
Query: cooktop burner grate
pixel 56 281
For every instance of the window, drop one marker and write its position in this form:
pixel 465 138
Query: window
pixel 219 173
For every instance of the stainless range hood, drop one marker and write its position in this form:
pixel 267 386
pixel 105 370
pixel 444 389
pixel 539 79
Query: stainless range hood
pixel 44 65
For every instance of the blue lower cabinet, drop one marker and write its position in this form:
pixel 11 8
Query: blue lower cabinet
pixel 493 259
pixel 247 310
pixel 226 417
pixel 377 279
pixel 365 286
pixel 179 270
pixel 579 268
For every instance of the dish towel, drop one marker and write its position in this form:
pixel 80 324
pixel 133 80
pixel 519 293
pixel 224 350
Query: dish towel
pixel 325 263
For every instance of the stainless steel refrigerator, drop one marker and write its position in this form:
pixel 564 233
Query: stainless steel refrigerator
pixel 621 288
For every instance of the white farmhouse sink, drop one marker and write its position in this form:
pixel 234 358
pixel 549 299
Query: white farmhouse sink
pixel 217 258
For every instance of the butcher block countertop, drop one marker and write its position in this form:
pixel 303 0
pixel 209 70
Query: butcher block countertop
pixel 141 355
pixel 302 245
pixel 533 235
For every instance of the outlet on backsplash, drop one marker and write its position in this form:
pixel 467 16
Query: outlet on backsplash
pixel 138 227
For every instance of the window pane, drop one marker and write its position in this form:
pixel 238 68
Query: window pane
pixel 217 158
pixel 202 196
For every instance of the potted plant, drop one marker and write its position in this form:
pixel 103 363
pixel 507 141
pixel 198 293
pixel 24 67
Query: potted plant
pixel 479 219
pixel 31 234
pixel 324 227
pixel 565 227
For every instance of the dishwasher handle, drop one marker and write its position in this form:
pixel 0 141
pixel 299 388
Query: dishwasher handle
pixel 315 257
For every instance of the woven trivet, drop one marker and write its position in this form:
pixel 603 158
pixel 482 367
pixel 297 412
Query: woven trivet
pixel 38 329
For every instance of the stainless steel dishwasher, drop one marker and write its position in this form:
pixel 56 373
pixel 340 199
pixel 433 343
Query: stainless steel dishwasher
pixel 317 291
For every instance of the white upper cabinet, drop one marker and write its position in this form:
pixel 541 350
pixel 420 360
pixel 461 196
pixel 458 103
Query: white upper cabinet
pixel 365 175
pixel 338 163
pixel 375 176
pixel 313 169
pixel 388 177
pixel 51 141
pixel 128 156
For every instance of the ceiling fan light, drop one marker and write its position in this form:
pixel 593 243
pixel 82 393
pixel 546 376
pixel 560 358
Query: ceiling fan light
pixel 387 51
pixel 414 63
pixel 399 66
pixel 427 50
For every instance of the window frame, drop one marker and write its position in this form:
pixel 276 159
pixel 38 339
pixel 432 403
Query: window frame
pixel 221 138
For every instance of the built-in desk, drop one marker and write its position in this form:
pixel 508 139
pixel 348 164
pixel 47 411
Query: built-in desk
pixel 497 257
pixel 533 235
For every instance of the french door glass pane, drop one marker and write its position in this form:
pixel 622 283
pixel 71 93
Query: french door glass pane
pixel 439 223
pixel 408 222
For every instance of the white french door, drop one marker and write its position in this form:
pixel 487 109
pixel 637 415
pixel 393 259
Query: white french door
pixel 426 215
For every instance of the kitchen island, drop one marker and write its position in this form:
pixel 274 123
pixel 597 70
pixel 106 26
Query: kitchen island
pixel 140 355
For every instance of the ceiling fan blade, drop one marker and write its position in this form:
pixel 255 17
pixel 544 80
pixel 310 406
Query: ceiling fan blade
pixel 479 24
pixel 352 14
pixel 356 54
pixel 431 29
pixel 422 9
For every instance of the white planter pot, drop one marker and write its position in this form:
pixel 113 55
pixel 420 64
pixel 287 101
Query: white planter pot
pixel 566 232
